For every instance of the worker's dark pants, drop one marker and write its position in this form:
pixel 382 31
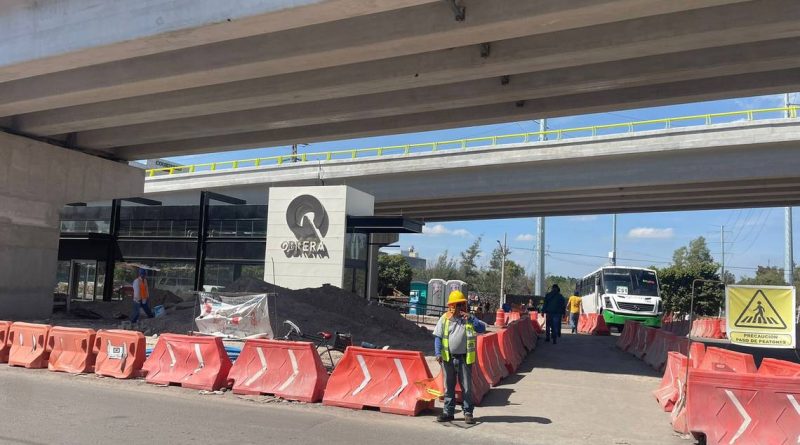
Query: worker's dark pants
pixel 457 367
pixel 553 327
pixel 136 306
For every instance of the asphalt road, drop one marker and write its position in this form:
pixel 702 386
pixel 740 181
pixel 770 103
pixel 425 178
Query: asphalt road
pixel 580 391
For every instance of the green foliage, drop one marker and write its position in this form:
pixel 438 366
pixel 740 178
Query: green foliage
pixel 469 268
pixel 394 272
pixel 767 276
pixel 676 288
pixel 695 254
pixel 566 284
pixel 444 267
pixel 690 263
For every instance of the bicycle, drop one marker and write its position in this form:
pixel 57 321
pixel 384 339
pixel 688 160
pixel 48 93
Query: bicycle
pixel 331 342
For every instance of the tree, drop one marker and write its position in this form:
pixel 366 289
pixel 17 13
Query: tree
pixel 767 276
pixel 695 254
pixel 566 284
pixel 444 267
pixel 394 272
pixel 690 263
pixel 468 268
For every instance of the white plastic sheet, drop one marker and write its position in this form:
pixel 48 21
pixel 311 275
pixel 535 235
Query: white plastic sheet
pixel 234 317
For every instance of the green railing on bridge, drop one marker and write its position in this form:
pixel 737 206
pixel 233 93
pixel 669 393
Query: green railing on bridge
pixel 489 141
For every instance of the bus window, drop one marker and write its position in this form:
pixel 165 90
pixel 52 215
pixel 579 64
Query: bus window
pixel 630 282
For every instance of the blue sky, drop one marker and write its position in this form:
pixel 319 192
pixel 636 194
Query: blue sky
pixel 578 245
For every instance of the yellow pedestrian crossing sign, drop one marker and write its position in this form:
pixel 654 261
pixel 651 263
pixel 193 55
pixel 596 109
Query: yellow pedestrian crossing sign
pixel 761 316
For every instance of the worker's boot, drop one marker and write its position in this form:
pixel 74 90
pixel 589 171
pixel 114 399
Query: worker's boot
pixel 468 419
pixel 445 417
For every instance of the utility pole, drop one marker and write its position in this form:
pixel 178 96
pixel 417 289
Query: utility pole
pixel 540 227
pixel 614 240
pixel 503 250
pixel 788 261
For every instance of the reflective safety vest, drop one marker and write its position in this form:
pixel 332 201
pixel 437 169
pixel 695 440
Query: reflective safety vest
pixel 472 341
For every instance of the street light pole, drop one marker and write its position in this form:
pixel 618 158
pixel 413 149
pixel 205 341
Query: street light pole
pixel 503 249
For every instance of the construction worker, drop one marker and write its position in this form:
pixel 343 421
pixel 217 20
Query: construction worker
pixel 140 296
pixel 575 306
pixel 554 308
pixel 455 345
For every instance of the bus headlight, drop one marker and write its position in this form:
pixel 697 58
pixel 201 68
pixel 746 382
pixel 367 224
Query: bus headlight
pixel 608 303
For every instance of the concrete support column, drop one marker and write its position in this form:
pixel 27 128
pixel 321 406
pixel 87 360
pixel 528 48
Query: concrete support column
pixel 36 181
pixel 376 241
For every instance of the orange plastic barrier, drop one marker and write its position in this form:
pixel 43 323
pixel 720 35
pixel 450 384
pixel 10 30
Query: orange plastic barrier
pixel 656 353
pixel 671 386
pixel 290 370
pixel 70 350
pixel 724 360
pixel 592 324
pixel 189 361
pixel 583 320
pixel 537 328
pixel 28 345
pixel 489 361
pixel 728 407
pixel 500 318
pixel 513 316
pixel 527 335
pixel 643 338
pixel 628 336
pixel 120 354
pixel 519 346
pixel 381 379
pixel 507 350
pixel 4 345
pixel 779 368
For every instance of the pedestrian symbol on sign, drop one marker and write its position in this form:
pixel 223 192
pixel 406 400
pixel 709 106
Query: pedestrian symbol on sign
pixel 760 313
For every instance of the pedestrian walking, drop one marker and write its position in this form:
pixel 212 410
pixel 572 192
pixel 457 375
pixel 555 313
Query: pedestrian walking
pixel 455 345
pixel 141 295
pixel 575 307
pixel 554 308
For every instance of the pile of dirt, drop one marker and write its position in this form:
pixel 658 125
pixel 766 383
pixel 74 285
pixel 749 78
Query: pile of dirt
pixel 329 308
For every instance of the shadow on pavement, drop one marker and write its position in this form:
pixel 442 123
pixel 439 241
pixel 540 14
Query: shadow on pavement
pixel 514 419
pixel 497 397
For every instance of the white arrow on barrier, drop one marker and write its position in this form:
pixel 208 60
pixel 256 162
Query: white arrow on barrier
pixel 745 417
pixel 796 407
pixel 367 377
pixel 172 358
pixel 403 379
pixel 260 371
pixel 295 371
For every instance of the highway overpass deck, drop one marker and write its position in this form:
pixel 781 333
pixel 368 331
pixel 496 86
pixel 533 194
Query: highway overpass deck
pixel 737 164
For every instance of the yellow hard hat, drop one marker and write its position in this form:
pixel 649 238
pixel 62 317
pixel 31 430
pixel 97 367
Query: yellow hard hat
pixel 456 297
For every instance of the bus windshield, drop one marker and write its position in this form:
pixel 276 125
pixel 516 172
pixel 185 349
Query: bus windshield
pixel 630 282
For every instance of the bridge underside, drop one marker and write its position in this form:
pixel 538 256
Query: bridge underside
pixel 134 80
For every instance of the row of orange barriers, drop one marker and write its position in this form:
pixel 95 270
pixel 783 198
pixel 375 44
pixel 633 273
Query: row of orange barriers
pixel 111 353
pixel 717 393
pixel 709 327
pixel 383 379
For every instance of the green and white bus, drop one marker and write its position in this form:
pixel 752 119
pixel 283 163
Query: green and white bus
pixel 622 293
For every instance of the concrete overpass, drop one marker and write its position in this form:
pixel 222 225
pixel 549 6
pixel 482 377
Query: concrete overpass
pixel 135 80
pixel 739 164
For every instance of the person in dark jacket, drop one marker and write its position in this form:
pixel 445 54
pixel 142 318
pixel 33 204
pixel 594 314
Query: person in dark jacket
pixel 554 308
